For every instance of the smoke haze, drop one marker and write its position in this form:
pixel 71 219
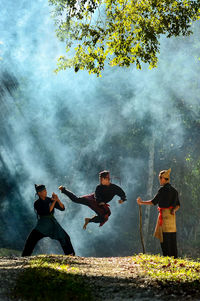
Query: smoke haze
pixel 63 129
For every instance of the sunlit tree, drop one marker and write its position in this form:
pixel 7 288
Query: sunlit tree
pixel 118 32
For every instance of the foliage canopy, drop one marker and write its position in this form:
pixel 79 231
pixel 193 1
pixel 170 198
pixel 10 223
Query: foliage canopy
pixel 123 32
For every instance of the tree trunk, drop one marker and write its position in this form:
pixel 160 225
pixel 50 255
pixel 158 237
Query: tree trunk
pixel 149 188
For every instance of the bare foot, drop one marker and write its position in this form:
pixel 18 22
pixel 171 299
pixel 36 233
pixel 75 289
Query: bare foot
pixel 86 223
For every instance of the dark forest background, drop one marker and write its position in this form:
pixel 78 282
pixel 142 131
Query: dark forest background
pixel 64 129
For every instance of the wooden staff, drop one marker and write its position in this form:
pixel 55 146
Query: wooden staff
pixel 141 234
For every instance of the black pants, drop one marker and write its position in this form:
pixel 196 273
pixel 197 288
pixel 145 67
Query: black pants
pixel 89 200
pixel 35 236
pixel 169 244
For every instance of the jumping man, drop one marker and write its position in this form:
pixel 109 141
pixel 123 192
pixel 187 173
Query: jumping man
pixel 99 200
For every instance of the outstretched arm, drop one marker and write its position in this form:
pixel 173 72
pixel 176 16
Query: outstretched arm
pixel 120 192
pixel 141 202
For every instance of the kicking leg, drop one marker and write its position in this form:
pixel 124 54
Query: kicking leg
pixel 79 200
pixel 87 200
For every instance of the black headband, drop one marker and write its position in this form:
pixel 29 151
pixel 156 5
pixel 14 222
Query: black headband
pixel 39 188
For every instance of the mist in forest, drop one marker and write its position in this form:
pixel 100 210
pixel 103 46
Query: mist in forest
pixel 63 129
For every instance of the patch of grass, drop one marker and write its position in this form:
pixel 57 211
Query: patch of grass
pixel 48 279
pixel 57 278
pixel 9 252
pixel 167 271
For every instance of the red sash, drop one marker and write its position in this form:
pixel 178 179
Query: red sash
pixel 160 214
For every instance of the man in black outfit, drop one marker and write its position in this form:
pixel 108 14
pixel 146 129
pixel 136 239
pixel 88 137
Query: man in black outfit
pixel 168 203
pixel 99 200
pixel 47 225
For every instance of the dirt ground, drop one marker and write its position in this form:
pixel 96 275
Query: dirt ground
pixel 112 278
